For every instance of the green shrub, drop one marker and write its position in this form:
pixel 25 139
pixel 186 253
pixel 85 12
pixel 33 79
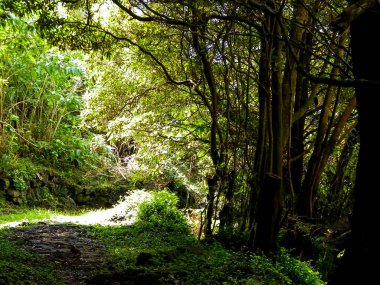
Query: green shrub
pixel 298 271
pixel 19 170
pixel 283 269
pixel 161 212
pixel 268 271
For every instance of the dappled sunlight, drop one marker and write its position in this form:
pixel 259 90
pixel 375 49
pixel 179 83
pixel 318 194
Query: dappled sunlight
pixel 122 213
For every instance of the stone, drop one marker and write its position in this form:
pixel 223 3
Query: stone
pixel 14 193
pixel 4 183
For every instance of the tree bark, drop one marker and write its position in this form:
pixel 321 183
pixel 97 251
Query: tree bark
pixel 358 265
pixel 212 184
pixel 270 202
pixel 226 214
pixel 260 166
pixel 268 214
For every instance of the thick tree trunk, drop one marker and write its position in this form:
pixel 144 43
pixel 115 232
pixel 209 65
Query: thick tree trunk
pixel 271 193
pixel 289 86
pixel 298 127
pixel 268 214
pixel 359 264
pixel 260 166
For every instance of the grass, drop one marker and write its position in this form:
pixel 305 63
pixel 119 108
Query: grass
pixel 162 235
pixel 8 215
pixel 194 262
pixel 178 255
pixel 23 214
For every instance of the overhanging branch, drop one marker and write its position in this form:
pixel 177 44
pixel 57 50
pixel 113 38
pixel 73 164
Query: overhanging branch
pixel 340 82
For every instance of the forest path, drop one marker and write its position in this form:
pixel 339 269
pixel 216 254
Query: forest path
pixel 65 241
pixel 77 256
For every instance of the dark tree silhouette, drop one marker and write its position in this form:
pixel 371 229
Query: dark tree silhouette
pixel 358 265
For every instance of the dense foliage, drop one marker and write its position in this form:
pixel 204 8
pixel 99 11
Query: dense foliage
pixel 44 152
pixel 244 110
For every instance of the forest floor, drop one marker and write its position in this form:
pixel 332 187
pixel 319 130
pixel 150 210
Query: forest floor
pixel 113 246
pixel 77 256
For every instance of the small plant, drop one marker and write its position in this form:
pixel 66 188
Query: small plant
pixel 19 170
pixel 162 212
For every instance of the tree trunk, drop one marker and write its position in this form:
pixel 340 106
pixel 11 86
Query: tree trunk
pixel 297 148
pixel 260 166
pixel 336 199
pixel 289 86
pixel 212 184
pixel 216 138
pixel 359 264
pixel 268 214
pixel 310 185
pixel 226 214
pixel 271 195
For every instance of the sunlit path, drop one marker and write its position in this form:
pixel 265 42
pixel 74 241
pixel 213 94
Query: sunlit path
pixel 122 213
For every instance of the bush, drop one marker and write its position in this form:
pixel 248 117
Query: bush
pixel 283 269
pixel 269 272
pixel 298 271
pixel 18 170
pixel 161 212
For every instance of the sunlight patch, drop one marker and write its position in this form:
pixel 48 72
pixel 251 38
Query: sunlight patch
pixel 124 212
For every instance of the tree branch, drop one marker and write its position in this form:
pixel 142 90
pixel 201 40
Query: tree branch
pixel 187 82
pixel 340 82
pixel 349 14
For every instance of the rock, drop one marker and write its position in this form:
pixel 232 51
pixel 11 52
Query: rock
pixel 4 183
pixel 17 200
pixel 68 203
pixel 75 250
pixel 13 193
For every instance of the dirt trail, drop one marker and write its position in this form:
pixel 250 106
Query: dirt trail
pixel 76 255
pixel 80 259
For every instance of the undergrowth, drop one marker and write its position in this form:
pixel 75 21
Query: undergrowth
pixel 159 242
pixel 162 233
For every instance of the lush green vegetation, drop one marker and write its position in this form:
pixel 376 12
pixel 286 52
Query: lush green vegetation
pixel 239 119
pixel 23 215
pixel 160 242
pixel 45 153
